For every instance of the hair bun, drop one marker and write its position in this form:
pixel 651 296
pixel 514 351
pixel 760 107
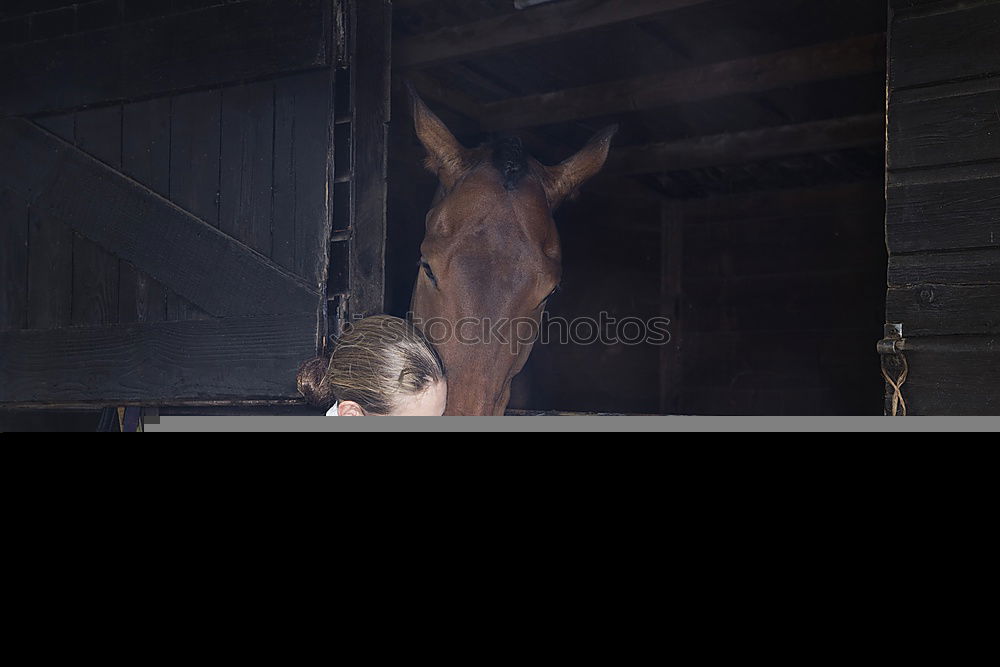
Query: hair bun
pixel 311 385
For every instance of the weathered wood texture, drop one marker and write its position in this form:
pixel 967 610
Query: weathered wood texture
pixel 954 382
pixel 943 201
pixel 370 87
pixel 949 130
pixel 171 209
pixel 13 262
pixel 303 113
pixel 174 247
pixel 671 300
pixel 145 159
pixel 528 27
pixel 214 46
pixel 944 46
pixel 946 310
pixel 965 267
pixel 946 210
pixel 95 268
pixel 750 146
pixel 50 256
pixel 230 359
pixel 861 55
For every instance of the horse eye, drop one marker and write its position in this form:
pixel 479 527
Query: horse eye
pixel 429 272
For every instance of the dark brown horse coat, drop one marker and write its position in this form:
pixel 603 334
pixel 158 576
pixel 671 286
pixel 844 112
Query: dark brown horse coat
pixel 491 256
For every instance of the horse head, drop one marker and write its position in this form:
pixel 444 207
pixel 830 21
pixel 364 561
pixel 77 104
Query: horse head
pixel 491 256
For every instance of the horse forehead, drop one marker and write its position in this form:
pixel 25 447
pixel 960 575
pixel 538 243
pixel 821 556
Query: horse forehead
pixel 510 226
pixel 483 199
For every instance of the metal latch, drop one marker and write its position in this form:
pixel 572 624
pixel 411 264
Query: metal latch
pixel 893 343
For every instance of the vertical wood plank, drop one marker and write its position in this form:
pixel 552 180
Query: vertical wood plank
pixel 13 261
pixel 95 269
pixel 50 254
pixel 370 86
pixel 145 158
pixel 195 149
pixel 671 289
pixel 245 199
pixel 303 115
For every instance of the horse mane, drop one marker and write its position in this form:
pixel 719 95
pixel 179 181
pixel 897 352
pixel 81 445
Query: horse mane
pixel 510 160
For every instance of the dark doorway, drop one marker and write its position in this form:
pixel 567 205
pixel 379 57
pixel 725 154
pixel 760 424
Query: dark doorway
pixel 744 198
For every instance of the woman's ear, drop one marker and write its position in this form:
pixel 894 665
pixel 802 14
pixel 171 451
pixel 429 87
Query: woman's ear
pixel 350 409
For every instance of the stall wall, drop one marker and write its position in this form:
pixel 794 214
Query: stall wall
pixel 944 202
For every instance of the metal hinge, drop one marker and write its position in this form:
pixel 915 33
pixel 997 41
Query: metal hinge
pixel 893 343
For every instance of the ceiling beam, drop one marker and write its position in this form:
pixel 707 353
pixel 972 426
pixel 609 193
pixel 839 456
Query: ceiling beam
pixel 773 203
pixel 852 57
pixel 752 146
pixel 531 26
pixel 431 89
pixel 409 4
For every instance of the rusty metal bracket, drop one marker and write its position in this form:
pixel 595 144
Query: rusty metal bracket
pixel 893 343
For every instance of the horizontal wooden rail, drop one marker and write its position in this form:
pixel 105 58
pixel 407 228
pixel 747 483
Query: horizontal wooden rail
pixel 853 57
pixel 532 26
pixel 150 364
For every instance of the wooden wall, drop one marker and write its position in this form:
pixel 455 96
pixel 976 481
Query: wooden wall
pixel 210 127
pixel 943 219
pixel 243 158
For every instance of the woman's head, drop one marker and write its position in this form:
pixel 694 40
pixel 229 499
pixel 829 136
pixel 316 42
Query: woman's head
pixel 380 366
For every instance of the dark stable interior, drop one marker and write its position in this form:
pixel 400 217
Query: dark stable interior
pixel 744 196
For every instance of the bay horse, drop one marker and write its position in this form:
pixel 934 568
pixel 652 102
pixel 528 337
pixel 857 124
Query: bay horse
pixel 491 256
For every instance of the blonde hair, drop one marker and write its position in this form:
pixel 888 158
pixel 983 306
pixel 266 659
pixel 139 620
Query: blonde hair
pixel 376 362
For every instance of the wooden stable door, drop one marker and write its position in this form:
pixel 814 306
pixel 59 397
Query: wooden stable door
pixel 182 220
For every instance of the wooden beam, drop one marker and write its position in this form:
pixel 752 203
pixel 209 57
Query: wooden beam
pixel 860 55
pixel 184 253
pixel 371 86
pixel 431 90
pixel 165 362
pixel 946 310
pixel 532 26
pixel 960 382
pixel 751 146
pixel 761 206
pixel 228 43
pixel 410 4
pixel 961 128
pixel 782 203
pixel 14 233
pixel 671 295
pixel 945 46
pixel 944 209
pixel 980 266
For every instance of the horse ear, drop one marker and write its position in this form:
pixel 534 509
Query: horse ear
pixel 446 157
pixel 563 180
